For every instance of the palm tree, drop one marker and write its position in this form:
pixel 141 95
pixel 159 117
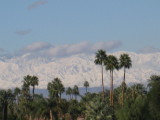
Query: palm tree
pixel 26 83
pixel 75 91
pixel 125 63
pixel 33 82
pixel 96 109
pixel 55 88
pixel 111 64
pixel 5 97
pixel 154 96
pixel 86 84
pixel 99 60
pixel 137 90
pixel 16 93
pixel 69 92
pixel 60 86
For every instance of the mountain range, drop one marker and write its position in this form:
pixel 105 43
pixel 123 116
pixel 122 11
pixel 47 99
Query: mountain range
pixel 74 70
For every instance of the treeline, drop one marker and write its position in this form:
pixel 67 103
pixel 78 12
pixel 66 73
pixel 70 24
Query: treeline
pixel 134 102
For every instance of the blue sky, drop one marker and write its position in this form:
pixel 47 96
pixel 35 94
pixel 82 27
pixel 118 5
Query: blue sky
pixel 133 25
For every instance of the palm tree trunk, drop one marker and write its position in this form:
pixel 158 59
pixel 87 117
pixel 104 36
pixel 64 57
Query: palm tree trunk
pixel 60 95
pixel 110 87
pixel 50 113
pixel 102 83
pixel 30 118
pixel 33 91
pixel 124 75
pixel 5 111
pixel 123 88
pixel 17 99
pixel 70 96
pixel 112 90
pixel 86 89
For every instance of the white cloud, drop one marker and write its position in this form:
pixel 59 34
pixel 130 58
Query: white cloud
pixel 108 46
pixel 49 50
pixel 78 48
pixel 37 46
pixel 36 4
pixel 34 48
pixel 148 49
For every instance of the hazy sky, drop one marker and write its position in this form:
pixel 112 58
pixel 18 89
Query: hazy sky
pixel 131 25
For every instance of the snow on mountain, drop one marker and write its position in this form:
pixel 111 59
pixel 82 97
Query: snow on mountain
pixel 74 70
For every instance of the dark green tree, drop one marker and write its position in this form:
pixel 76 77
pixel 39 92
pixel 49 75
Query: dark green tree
pixel 55 88
pixel 154 96
pixel 33 82
pixel 69 92
pixel 26 83
pixel 17 91
pixel 99 60
pixel 111 64
pixel 125 63
pixel 135 105
pixel 86 85
pixel 96 109
pixel 5 97
pixel 75 91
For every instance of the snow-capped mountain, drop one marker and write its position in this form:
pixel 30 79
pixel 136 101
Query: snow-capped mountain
pixel 74 70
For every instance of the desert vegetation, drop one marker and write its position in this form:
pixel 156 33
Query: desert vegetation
pixel 134 102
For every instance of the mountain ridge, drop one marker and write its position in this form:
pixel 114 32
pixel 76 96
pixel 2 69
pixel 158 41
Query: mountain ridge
pixel 74 70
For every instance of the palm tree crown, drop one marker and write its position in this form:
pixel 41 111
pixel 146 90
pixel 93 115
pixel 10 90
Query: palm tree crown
pixel 55 88
pixel 75 91
pixel 33 82
pixel 100 57
pixel 111 63
pixel 86 84
pixel 69 91
pixel 125 61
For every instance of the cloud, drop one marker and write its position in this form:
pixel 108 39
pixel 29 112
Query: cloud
pixel 108 46
pixel 69 49
pixel 49 50
pixel 148 49
pixel 24 32
pixel 38 46
pixel 36 4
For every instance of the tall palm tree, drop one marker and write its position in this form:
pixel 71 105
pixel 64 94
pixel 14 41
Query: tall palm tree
pixel 5 97
pixel 99 60
pixel 86 84
pixel 33 82
pixel 111 64
pixel 16 93
pixel 125 63
pixel 69 91
pixel 137 89
pixel 60 86
pixel 26 83
pixel 75 91
pixel 55 88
